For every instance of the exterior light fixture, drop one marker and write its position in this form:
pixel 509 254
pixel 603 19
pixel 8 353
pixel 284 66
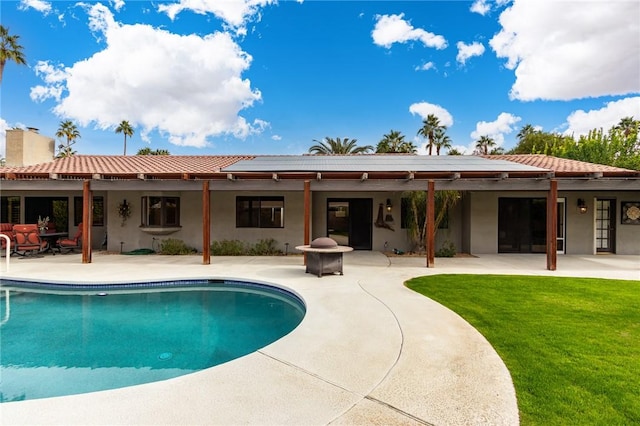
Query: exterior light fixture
pixel 582 206
pixel 389 216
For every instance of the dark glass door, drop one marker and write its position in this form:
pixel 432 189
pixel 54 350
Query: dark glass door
pixel 522 225
pixel 349 222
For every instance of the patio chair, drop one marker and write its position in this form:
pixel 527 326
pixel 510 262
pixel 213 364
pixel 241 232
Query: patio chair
pixel 70 244
pixel 27 240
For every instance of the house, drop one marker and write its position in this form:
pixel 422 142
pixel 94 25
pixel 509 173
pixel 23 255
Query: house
pixel 507 203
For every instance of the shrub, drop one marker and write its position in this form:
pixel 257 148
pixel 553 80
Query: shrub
pixel 448 249
pixel 228 248
pixel 265 247
pixel 172 246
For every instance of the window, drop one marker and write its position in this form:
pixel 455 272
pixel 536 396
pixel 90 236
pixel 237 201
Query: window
pixel 260 212
pixel 160 211
pixel 10 209
pixel 97 214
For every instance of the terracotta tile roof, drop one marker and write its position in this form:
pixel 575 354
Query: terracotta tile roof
pixel 563 165
pixel 131 165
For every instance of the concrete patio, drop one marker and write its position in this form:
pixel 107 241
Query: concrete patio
pixel 369 350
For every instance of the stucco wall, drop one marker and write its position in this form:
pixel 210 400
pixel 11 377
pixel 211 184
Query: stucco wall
pixel 223 219
pixel 398 238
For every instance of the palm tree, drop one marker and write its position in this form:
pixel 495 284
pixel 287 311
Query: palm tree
pixel 429 126
pixel 525 131
pixel 628 125
pixel 10 50
pixel 483 144
pixel 441 140
pixel 69 131
pixel 127 130
pixel 337 146
pixel 394 143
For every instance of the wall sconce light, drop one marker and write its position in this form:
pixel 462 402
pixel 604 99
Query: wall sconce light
pixel 582 206
pixel 389 217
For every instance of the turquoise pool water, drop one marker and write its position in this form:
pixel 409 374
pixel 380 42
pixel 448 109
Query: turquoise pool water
pixel 56 342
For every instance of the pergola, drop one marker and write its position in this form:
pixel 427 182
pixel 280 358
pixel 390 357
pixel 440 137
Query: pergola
pixel 309 173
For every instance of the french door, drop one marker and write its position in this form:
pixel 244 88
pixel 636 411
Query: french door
pixel 605 225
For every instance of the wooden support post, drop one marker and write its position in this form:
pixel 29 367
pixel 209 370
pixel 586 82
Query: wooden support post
pixel 206 224
pixel 307 216
pixel 87 219
pixel 431 219
pixel 552 225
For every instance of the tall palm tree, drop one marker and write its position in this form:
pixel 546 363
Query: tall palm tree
pixel 483 144
pixel 337 146
pixel 429 126
pixel 70 132
pixel 394 143
pixel 525 131
pixel 10 50
pixel 441 140
pixel 127 130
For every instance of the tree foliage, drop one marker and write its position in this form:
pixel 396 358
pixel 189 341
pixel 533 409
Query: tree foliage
pixel 10 49
pixel 394 143
pixel 69 131
pixel 618 147
pixel 430 126
pixel 148 151
pixel 125 128
pixel 416 214
pixel 338 146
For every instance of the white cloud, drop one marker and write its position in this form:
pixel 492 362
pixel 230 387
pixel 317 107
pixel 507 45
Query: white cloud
pixel 504 124
pixel 118 4
pixel 581 122
pixel 481 7
pixel 423 109
pixel 563 50
pixel 41 6
pixel 276 137
pixel 466 51
pixel 188 88
pixel 3 137
pixel 426 67
pixel 391 29
pixel 234 13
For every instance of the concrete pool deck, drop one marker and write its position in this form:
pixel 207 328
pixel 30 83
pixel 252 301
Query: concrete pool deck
pixel 369 350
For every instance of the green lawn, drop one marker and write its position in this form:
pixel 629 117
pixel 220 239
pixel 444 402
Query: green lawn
pixel 572 345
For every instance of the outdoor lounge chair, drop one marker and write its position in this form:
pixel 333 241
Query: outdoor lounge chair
pixel 27 240
pixel 70 244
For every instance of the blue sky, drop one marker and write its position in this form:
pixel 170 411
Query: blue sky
pixel 264 77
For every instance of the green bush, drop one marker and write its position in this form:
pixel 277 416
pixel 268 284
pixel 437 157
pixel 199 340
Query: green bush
pixel 448 249
pixel 265 247
pixel 228 248
pixel 172 246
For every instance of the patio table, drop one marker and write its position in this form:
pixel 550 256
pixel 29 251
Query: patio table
pixel 51 238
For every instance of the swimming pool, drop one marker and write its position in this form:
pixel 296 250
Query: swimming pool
pixel 60 339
